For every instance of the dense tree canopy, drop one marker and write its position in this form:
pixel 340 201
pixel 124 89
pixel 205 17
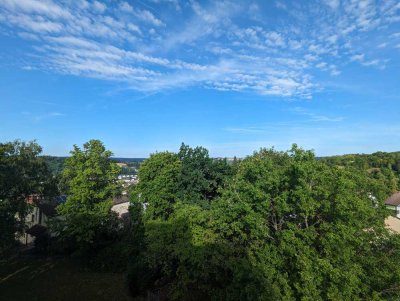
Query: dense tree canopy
pixel 56 164
pixel 158 186
pixel 200 176
pixel 285 227
pixel 272 226
pixel 22 173
pixel 382 166
pixel 190 176
pixel 90 181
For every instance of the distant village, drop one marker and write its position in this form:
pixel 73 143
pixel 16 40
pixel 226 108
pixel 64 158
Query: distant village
pixel 130 178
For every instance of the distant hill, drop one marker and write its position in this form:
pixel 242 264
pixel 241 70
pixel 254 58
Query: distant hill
pixel 380 165
pixel 128 160
pixel 366 161
pixel 56 164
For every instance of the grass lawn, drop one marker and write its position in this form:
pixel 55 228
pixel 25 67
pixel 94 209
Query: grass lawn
pixel 57 279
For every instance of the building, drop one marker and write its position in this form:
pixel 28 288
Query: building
pixel 36 221
pixel 128 180
pixel 393 203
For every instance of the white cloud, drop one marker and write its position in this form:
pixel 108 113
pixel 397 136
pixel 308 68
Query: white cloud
pixel 174 3
pixel 74 42
pixel 208 45
pixel 332 39
pixel 334 4
pixel 133 27
pixel 32 23
pixel 41 116
pixel 280 5
pixel 148 17
pixel 44 7
pixel 126 7
pixel 321 65
pixel 275 39
pixel 99 7
pixel 357 57
pixel 371 63
pixel 315 116
pixel 334 71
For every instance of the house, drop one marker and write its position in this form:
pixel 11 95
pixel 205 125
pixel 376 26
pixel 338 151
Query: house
pixel 36 221
pixel 393 203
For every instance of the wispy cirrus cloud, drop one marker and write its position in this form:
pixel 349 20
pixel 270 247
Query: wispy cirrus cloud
pixel 327 140
pixel 36 117
pixel 309 119
pixel 212 45
pixel 315 116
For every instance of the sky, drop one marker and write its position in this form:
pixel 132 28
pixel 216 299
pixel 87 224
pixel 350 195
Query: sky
pixel 232 76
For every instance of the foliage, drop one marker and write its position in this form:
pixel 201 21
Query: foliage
pixel 382 166
pixel 56 164
pixel 308 229
pixel 167 182
pixel 158 185
pixel 8 224
pixel 90 182
pixel 286 227
pixel 201 176
pixel 190 176
pixel 112 257
pixel 273 226
pixel 22 173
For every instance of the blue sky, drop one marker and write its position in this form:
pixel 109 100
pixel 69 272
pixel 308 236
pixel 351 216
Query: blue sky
pixel 232 76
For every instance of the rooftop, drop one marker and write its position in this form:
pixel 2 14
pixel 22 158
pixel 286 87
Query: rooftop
pixel 394 199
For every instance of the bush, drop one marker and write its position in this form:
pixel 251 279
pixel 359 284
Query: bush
pixel 112 258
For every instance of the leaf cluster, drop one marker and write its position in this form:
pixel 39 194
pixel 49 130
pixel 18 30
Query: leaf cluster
pixel 90 182
pixel 285 226
pixel 22 173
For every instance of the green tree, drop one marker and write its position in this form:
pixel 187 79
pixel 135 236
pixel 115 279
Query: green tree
pixel 158 185
pixel 90 182
pixel 201 176
pixel 286 227
pixel 309 231
pixel 380 165
pixel 22 173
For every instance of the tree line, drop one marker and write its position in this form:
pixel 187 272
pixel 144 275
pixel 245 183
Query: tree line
pixel 382 166
pixel 272 226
